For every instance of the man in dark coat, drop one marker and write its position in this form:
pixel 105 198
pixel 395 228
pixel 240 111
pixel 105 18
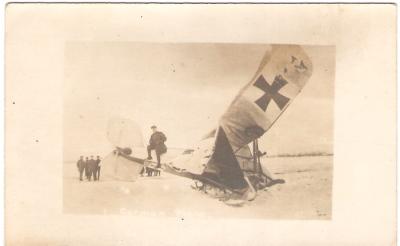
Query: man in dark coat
pixel 81 165
pixel 96 173
pixel 157 143
pixel 91 168
pixel 87 167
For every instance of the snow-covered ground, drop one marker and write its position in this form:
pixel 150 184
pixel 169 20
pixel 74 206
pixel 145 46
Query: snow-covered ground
pixel 305 195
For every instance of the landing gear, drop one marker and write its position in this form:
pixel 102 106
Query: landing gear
pixel 262 181
pixel 229 197
pixel 210 190
pixel 257 177
pixel 253 173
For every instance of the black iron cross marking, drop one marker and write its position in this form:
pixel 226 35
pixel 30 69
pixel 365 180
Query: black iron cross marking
pixel 271 92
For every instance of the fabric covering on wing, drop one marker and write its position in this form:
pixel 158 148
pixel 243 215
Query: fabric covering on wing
pixel 223 166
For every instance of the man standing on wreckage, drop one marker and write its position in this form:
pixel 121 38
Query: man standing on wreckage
pixel 281 75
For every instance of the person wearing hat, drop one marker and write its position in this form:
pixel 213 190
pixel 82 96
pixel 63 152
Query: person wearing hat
pixel 157 143
pixel 87 167
pixel 97 169
pixel 91 166
pixel 81 165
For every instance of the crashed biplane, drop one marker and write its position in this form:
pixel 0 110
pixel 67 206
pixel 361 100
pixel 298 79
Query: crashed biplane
pixel 226 163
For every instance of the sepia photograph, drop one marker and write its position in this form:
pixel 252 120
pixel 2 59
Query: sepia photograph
pixel 183 124
pixel 215 129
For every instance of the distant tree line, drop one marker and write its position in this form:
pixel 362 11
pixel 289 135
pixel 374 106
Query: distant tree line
pixel 315 153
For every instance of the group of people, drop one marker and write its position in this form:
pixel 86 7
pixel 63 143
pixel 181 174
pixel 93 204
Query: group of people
pixel 89 167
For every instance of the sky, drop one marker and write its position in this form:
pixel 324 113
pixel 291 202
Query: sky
pixel 183 89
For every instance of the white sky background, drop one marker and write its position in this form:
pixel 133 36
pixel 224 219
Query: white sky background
pixel 183 89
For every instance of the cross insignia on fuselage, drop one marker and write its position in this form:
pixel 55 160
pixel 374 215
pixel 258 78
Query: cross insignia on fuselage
pixel 271 92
